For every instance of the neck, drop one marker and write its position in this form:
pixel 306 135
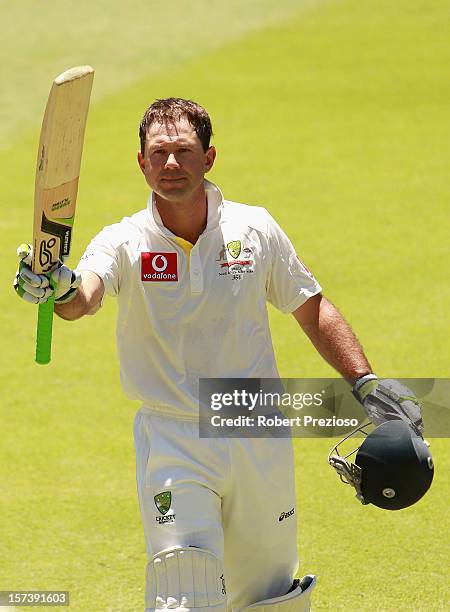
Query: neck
pixel 187 218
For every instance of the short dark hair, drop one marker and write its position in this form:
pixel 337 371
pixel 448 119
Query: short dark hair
pixel 169 110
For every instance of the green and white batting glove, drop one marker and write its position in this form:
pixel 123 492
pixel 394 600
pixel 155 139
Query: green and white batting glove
pixel 36 288
pixel 387 400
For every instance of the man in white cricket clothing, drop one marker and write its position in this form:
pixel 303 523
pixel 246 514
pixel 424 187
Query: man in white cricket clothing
pixel 192 273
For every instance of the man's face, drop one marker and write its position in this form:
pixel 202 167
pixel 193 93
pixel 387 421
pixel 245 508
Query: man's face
pixel 174 163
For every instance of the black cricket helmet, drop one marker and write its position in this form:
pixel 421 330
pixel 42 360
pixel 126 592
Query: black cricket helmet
pixel 393 467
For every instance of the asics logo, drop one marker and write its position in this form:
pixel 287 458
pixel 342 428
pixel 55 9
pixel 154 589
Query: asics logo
pixel 284 515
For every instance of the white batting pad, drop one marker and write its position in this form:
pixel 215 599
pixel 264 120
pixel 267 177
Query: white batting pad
pixel 184 580
pixel 297 600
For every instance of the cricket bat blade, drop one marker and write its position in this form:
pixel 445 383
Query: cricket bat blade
pixel 56 185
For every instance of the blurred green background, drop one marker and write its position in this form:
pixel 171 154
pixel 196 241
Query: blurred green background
pixel 333 115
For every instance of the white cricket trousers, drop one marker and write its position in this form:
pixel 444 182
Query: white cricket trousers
pixel 232 496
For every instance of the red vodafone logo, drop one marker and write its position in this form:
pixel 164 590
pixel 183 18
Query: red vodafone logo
pixel 159 267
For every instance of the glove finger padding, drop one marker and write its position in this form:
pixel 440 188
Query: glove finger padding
pixel 25 253
pixel 388 399
pixel 400 394
pixel 38 292
pixel 27 292
pixel 28 276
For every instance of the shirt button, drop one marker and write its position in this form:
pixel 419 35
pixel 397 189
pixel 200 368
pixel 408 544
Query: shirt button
pixel 196 272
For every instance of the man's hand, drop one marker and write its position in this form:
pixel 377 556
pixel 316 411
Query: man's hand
pixel 387 400
pixel 37 288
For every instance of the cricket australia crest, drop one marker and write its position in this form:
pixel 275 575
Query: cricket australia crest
pixel 242 261
pixel 234 248
pixel 163 501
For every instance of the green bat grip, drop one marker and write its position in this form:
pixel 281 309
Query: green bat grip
pixel 44 331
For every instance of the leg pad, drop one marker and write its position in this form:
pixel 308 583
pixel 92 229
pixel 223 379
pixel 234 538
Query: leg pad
pixel 185 579
pixel 297 600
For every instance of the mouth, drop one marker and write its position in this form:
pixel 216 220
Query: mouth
pixel 173 180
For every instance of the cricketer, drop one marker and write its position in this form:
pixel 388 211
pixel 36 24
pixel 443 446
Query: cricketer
pixel 192 273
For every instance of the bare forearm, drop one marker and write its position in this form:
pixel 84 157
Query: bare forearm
pixel 86 301
pixel 73 310
pixel 334 339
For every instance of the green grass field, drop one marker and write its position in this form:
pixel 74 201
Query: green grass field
pixel 332 114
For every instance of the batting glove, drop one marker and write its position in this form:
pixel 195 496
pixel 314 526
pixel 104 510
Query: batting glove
pixel 37 288
pixel 387 400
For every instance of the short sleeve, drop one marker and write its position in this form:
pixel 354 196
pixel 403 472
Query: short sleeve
pixel 102 257
pixel 290 282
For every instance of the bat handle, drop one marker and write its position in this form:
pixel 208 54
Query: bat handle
pixel 44 331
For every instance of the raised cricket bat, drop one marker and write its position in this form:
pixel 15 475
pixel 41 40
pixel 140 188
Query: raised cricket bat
pixel 57 172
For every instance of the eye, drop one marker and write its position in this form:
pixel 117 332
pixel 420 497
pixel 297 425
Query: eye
pixel 183 150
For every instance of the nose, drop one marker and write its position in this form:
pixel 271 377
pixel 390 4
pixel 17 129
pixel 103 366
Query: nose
pixel 171 161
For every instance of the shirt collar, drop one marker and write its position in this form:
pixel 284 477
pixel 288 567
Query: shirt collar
pixel 214 199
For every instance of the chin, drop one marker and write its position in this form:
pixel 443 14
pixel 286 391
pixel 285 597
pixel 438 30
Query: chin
pixel 173 194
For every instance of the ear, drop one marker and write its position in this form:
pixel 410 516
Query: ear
pixel 210 156
pixel 141 161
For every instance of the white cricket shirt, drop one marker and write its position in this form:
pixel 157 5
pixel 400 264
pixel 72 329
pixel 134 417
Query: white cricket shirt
pixel 188 312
